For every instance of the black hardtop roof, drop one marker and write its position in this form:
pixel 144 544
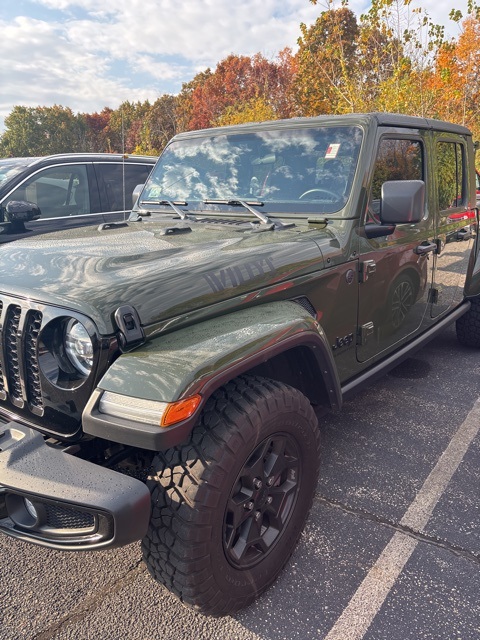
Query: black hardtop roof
pixel 380 119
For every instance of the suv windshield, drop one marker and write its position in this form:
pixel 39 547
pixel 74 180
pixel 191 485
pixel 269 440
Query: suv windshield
pixel 9 167
pixel 285 170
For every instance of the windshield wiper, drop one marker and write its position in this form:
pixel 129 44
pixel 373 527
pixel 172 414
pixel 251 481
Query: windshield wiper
pixel 174 205
pixel 264 219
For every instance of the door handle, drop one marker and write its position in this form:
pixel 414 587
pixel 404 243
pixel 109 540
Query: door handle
pixel 425 247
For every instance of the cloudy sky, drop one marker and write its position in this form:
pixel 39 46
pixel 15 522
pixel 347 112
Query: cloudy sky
pixel 87 54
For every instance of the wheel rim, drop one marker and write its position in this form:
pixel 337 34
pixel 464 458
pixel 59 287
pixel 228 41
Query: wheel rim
pixel 262 501
pixel 402 301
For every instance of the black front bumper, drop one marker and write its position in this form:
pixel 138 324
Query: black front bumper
pixel 57 500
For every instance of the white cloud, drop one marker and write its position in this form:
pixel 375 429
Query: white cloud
pixel 40 65
pixel 89 54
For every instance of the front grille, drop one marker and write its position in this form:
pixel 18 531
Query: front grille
pixel 11 353
pixel 66 518
pixel 19 371
pixel 34 392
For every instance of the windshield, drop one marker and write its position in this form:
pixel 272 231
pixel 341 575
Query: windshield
pixel 9 167
pixel 284 170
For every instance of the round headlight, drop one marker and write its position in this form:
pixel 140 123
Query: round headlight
pixel 79 347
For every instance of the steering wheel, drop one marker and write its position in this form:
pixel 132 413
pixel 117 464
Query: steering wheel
pixel 326 191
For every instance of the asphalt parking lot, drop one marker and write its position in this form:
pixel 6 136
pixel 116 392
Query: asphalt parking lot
pixel 391 550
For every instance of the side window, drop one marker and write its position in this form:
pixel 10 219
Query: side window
pixel 397 159
pixel 58 191
pixel 112 176
pixel 450 173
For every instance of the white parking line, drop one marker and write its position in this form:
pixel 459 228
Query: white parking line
pixel 373 591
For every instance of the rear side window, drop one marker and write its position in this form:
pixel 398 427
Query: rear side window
pixel 58 191
pixel 450 175
pixel 120 180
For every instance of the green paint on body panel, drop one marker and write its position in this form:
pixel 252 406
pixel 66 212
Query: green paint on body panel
pixel 175 364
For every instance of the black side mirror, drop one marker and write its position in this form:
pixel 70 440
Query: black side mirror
pixel 20 211
pixel 403 201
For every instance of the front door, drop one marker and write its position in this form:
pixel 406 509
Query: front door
pixel 395 270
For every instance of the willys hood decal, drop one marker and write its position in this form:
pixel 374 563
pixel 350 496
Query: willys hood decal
pixel 94 272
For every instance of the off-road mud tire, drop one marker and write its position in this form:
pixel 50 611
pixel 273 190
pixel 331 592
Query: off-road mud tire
pixel 468 325
pixel 254 459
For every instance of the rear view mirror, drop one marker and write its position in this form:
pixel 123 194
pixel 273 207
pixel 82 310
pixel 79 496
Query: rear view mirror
pixel 403 201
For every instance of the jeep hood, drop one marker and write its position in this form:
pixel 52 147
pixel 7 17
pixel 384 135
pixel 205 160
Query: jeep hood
pixel 95 271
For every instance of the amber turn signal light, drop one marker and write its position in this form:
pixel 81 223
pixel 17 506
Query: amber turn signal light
pixel 181 410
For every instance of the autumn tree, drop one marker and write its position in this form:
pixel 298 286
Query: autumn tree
pixel 391 58
pixel 98 130
pixel 124 125
pixel 326 62
pixel 456 81
pixel 150 134
pixel 382 62
pixel 243 87
pixel 184 102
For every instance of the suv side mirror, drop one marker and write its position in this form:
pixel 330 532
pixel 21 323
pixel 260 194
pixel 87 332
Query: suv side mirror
pixel 403 201
pixel 20 211
pixel 136 192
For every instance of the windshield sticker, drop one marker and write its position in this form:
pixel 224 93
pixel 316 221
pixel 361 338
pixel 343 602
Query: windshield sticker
pixel 332 151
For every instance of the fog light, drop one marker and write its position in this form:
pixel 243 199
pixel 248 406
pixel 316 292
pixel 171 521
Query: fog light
pixel 30 507
pixel 25 513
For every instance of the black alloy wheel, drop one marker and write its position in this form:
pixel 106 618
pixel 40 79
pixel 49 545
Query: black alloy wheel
pixel 229 505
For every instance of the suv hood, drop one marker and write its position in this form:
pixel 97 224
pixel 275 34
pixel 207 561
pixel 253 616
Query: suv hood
pixel 160 272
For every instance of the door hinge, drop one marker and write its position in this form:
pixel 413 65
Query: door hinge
pixel 364 332
pixel 366 269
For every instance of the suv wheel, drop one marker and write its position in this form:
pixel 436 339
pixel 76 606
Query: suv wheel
pixel 229 506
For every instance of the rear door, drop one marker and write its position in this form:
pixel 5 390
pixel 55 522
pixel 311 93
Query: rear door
pixel 455 224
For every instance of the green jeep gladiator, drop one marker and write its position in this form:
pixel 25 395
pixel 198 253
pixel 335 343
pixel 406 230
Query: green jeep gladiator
pixel 162 378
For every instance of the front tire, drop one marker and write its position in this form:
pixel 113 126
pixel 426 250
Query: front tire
pixel 228 507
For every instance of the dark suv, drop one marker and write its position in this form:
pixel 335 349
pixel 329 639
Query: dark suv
pixel 68 190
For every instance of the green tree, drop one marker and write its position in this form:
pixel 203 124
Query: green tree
pixel 33 131
pixel 123 126
pixel 254 110
pixel 327 63
pixel 160 124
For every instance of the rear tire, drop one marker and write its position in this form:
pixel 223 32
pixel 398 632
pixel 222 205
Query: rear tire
pixel 228 507
pixel 468 325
